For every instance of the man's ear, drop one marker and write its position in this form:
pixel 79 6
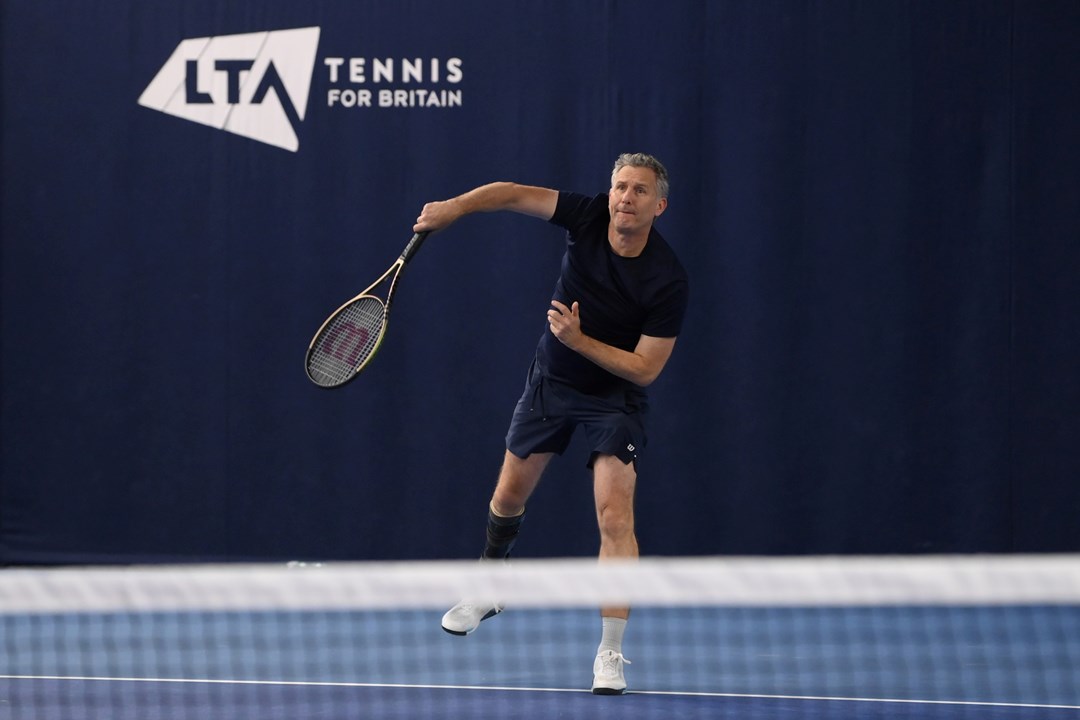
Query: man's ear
pixel 660 207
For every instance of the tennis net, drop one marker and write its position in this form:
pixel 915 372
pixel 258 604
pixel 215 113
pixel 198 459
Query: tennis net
pixel 926 636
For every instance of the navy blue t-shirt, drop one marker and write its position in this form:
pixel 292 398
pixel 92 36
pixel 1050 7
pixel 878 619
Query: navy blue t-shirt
pixel 620 298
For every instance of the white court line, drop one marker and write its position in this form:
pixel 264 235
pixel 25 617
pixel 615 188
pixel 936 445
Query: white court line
pixel 300 683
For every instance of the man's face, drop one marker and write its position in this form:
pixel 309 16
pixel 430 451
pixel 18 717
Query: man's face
pixel 633 201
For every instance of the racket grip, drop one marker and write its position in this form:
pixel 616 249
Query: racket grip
pixel 413 246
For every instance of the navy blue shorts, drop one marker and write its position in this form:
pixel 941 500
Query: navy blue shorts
pixel 549 412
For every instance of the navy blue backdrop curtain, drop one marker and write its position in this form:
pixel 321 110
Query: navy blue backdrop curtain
pixel 877 204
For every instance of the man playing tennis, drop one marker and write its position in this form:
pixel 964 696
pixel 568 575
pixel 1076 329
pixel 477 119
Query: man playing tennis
pixel 617 308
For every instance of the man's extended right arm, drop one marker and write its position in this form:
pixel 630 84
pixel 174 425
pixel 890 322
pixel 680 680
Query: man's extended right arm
pixel 526 199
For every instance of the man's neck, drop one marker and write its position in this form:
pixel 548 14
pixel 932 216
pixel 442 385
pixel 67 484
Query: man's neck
pixel 627 245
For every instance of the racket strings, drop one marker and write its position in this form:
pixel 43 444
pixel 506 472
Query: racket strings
pixel 349 339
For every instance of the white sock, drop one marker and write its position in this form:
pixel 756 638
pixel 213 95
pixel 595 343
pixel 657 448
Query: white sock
pixel 613 634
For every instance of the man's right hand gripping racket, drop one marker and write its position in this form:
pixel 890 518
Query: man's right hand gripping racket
pixel 351 336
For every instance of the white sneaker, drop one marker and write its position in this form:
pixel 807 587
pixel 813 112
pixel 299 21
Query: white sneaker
pixel 608 678
pixel 466 616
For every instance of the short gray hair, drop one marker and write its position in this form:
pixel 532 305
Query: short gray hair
pixel 645 161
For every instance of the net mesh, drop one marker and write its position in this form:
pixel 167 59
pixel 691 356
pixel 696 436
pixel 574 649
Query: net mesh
pixel 708 637
pixel 351 337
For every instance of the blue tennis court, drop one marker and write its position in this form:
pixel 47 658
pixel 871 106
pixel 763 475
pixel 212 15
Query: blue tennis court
pixel 76 700
pixel 1009 662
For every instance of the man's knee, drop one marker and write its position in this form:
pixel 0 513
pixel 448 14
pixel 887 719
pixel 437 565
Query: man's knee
pixel 615 521
pixel 517 480
pixel 615 481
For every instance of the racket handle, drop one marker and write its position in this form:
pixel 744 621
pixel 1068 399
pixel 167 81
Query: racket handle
pixel 413 246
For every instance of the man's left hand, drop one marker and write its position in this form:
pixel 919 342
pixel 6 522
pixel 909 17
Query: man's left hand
pixel 565 324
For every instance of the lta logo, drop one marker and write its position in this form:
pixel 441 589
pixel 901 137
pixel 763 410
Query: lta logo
pixel 255 84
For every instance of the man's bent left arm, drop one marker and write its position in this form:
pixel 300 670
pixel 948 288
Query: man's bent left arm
pixel 640 367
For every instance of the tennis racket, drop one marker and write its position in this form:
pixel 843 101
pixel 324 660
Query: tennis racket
pixel 351 336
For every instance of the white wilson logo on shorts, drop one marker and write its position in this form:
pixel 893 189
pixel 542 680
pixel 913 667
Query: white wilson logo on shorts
pixel 255 85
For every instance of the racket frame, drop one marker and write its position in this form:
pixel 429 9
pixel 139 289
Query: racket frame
pixel 395 269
